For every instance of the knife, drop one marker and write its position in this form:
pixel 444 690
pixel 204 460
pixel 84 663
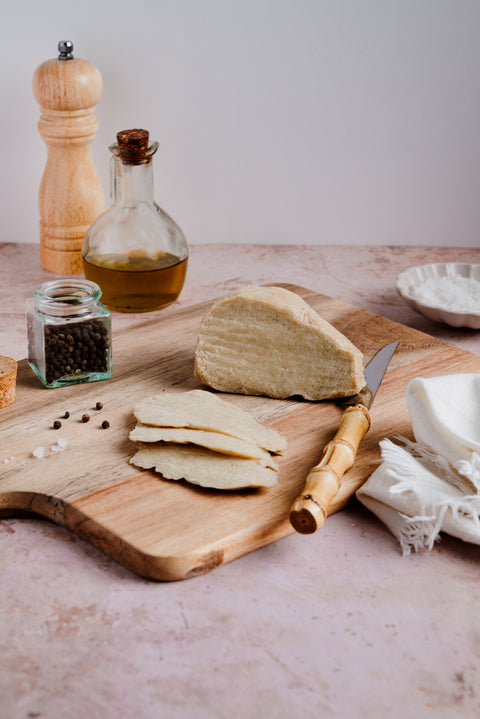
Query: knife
pixel 310 509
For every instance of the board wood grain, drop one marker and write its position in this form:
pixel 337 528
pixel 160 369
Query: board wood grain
pixel 166 530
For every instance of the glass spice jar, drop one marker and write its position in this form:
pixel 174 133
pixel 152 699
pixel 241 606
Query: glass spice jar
pixel 69 333
pixel 134 251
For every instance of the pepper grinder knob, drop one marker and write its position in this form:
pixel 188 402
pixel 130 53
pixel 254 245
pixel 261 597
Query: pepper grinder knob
pixel 65 50
pixel 70 196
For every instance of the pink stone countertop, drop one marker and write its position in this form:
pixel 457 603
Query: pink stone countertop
pixel 334 625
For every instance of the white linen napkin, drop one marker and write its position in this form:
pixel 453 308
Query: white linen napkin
pixel 432 485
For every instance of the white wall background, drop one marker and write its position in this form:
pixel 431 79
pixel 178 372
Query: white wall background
pixel 279 121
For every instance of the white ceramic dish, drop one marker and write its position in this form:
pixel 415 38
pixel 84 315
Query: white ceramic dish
pixel 413 276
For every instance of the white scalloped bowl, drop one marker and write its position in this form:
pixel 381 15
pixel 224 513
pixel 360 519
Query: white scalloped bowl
pixel 413 276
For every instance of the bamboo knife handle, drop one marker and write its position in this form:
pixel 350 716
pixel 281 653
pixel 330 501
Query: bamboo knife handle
pixel 310 509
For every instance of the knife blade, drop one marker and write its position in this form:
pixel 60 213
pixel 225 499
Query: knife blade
pixel 310 509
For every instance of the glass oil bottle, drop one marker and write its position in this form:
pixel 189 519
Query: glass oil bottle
pixel 134 251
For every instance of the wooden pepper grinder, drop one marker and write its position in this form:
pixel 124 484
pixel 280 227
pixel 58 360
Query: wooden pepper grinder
pixel 70 196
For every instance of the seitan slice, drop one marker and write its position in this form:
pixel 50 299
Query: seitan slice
pixel 199 409
pixel 223 443
pixel 269 341
pixel 204 467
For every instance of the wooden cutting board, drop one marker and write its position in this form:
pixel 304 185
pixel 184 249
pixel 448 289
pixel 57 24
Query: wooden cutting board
pixel 168 530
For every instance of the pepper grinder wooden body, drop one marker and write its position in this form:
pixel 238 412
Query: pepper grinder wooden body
pixel 71 195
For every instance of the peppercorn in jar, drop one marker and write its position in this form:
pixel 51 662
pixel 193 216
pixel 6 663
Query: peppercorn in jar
pixel 69 333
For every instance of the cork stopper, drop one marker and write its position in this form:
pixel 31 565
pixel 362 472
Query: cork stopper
pixel 133 138
pixel 133 147
pixel 8 377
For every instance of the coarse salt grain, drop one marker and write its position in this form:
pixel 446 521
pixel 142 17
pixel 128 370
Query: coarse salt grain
pixel 61 444
pixel 39 452
pixel 454 294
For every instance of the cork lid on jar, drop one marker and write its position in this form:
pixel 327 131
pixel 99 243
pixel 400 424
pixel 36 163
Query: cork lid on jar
pixel 8 378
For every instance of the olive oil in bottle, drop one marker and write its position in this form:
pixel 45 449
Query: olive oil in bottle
pixel 137 283
pixel 134 251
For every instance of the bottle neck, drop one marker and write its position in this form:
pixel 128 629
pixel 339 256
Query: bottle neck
pixel 132 183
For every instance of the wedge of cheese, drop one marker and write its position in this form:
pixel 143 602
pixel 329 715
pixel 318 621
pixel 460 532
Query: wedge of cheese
pixel 269 341
pixel 204 467
pixel 199 409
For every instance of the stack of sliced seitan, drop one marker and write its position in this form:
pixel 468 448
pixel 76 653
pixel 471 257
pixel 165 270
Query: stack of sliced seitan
pixel 205 440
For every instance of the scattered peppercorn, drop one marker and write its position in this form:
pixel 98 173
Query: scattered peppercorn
pixel 85 418
pixel 66 415
pixel 99 405
pixel 57 424
pixel 105 424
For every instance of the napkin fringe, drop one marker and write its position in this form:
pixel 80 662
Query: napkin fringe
pixel 417 533
pixel 421 532
pixel 423 529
